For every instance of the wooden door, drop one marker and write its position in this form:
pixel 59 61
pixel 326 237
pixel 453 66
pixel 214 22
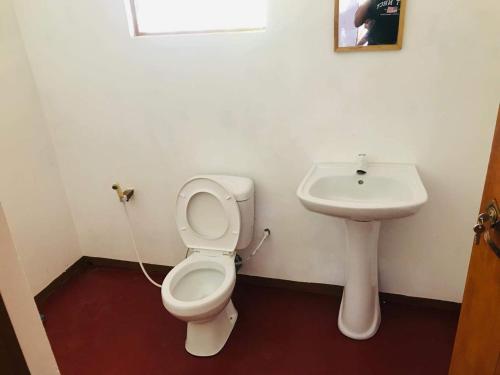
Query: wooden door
pixel 477 344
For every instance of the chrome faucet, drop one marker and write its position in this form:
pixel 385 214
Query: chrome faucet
pixel 361 164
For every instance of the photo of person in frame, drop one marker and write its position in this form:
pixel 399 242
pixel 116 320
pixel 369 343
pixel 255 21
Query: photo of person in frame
pixel 381 19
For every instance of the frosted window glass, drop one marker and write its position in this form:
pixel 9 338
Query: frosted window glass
pixel 176 16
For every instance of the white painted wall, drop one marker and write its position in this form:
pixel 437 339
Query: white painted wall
pixel 31 188
pixel 23 313
pixel 151 112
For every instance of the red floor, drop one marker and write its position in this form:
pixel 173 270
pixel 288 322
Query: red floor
pixel 111 321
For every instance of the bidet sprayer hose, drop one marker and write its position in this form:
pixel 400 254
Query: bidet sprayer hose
pixel 267 233
pixel 135 246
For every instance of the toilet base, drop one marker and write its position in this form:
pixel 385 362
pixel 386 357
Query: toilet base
pixel 207 338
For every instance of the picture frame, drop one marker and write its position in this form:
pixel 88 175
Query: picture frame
pixel 348 35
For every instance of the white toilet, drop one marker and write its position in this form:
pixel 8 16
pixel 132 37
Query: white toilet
pixel 215 215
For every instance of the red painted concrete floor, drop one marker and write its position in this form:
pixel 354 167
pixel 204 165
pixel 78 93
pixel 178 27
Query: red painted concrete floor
pixel 112 321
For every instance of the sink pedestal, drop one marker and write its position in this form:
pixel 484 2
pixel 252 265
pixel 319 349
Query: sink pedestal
pixel 359 316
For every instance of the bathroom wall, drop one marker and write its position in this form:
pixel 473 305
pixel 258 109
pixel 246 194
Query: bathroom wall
pixel 31 189
pixel 150 112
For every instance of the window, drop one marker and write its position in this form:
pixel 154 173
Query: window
pixel 148 17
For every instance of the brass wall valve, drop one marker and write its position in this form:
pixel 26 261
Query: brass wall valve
pixel 123 195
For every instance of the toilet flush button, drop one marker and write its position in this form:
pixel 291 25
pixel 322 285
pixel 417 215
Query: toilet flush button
pixel 183 228
pixel 228 197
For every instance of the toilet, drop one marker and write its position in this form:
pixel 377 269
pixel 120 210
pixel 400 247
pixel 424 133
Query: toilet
pixel 214 215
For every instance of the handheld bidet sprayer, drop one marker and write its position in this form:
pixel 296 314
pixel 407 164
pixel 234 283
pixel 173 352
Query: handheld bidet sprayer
pixel 123 196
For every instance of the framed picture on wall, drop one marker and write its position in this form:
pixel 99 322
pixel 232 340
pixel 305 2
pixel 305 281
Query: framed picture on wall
pixel 369 25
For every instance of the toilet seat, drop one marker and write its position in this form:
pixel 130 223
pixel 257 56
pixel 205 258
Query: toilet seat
pixel 187 301
pixel 208 217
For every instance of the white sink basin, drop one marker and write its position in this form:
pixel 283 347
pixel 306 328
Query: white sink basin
pixel 387 191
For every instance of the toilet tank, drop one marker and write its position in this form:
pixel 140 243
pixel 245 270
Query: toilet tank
pixel 243 190
pixel 247 219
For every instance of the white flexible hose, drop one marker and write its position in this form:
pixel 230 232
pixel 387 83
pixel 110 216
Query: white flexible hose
pixel 267 233
pixel 132 237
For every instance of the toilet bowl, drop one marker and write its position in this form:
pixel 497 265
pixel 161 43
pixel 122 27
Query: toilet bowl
pixel 198 290
pixel 214 218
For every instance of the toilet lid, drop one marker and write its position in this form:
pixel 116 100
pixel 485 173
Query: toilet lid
pixel 208 216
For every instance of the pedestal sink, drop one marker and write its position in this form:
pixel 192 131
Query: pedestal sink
pixel 385 191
